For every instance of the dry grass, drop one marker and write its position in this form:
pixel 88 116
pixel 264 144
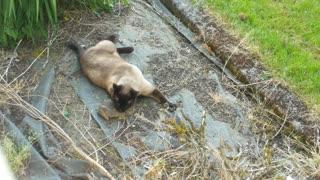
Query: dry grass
pixel 284 152
pixel 191 160
pixel 196 159
pixel 303 163
pixel 191 163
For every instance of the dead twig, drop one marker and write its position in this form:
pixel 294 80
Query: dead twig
pixel 282 125
pixel 115 137
pixel 11 59
pixel 235 50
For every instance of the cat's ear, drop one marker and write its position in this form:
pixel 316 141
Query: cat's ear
pixel 116 88
pixel 112 38
pixel 134 93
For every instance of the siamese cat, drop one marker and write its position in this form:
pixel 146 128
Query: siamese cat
pixel 123 81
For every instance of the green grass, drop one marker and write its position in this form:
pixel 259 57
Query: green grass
pixel 287 34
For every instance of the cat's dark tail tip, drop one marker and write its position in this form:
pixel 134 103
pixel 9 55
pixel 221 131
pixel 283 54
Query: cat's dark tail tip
pixel 125 50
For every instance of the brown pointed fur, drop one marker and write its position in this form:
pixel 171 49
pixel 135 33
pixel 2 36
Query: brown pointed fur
pixel 103 65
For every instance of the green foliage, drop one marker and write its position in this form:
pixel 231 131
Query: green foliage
pixel 287 34
pixel 19 18
pixel 31 18
pixel 17 156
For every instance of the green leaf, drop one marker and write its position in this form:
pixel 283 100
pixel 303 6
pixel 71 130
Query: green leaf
pixel 54 10
pixel 37 10
pixel 48 10
pixel 12 12
pixel 66 113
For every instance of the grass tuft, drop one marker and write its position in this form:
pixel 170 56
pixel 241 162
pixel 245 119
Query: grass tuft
pixel 17 156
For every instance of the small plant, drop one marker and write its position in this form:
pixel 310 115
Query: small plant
pixel 17 156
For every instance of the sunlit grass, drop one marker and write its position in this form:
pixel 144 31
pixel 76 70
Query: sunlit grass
pixel 287 34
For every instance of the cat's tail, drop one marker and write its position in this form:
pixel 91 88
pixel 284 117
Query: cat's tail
pixel 125 50
pixel 73 45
